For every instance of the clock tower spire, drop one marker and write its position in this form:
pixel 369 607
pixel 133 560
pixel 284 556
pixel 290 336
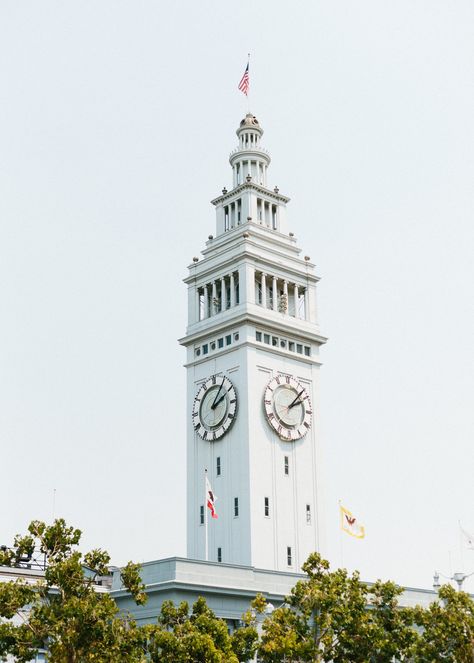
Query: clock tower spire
pixel 252 345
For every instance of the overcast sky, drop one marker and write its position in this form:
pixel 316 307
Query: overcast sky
pixel 116 121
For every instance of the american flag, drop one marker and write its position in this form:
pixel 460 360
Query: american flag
pixel 244 81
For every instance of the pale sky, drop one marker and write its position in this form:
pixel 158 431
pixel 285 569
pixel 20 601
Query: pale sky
pixel 116 121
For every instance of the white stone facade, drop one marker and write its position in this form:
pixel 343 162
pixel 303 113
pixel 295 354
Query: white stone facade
pixel 253 316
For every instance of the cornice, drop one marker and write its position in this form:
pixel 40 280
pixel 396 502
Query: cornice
pixel 296 273
pixel 295 327
pixel 278 197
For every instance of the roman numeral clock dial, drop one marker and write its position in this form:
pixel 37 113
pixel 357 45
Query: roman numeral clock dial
pixel 214 408
pixel 287 407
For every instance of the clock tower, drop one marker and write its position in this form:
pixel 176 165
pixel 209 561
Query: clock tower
pixel 252 345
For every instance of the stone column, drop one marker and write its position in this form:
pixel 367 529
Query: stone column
pixel 264 290
pixel 297 315
pixel 223 295
pixel 232 290
pixel 206 302
pixel 275 294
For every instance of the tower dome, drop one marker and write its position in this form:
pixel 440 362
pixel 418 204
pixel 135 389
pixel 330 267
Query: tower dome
pixel 249 121
pixel 249 158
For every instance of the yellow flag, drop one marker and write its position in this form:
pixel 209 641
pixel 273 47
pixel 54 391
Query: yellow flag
pixel 350 524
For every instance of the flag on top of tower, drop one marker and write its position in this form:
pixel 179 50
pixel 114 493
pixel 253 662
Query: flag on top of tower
pixel 211 499
pixel 350 524
pixel 245 80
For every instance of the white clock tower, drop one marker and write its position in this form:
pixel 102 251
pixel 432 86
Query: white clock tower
pixel 253 377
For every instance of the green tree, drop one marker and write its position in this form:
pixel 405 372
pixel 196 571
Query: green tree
pixel 447 629
pixel 333 616
pixel 66 614
pixel 199 637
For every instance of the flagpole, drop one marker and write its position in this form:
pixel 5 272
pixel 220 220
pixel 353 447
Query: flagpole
pixel 341 540
pixel 248 96
pixel 461 550
pixel 205 516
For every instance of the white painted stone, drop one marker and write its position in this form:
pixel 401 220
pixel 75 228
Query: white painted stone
pixel 251 453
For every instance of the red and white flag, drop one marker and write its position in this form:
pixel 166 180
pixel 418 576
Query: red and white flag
pixel 245 81
pixel 211 499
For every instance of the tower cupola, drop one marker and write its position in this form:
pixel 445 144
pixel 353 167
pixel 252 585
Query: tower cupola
pixel 249 158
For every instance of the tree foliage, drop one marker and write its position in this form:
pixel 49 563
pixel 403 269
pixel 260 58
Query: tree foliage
pixel 330 616
pixel 447 629
pixel 335 617
pixel 66 614
pixel 197 637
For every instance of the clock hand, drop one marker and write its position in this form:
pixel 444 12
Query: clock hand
pixel 293 404
pixel 214 404
pixel 220 399
pixel 296 399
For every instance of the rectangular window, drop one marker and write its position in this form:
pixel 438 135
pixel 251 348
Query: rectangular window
pixel 236 507
pixel 266 338
pixel 228 339
pixel 291 346
pixel 258 336
pixel 289 559
pixel 307 350
pixel 201 514
pixel 218 466
pixel 287 465
pixel 308 514
pixel 220 342
pixel 266 506
pixel 299 348
pixel 219 554
pixel 205 349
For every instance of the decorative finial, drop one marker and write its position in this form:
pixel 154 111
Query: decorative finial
pixel 224 191
pixel 195 259
pixel 249 218
pixel 291 234
pixel 249 178
pixel 307 258
pixel 276 189
pixel 210 237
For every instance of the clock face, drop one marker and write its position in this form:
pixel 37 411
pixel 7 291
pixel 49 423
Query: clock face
pixel 214 407
pixel 287 407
